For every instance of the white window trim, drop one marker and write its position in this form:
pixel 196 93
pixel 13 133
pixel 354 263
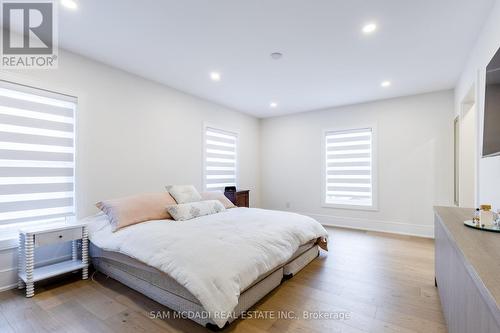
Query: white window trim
pixel 204 152
pixel 375 202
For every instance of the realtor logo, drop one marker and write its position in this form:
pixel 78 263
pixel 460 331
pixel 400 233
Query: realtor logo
pixel 29 34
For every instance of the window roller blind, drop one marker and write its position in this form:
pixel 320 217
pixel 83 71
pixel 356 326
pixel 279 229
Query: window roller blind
pixel 37 148
pixel 220 159
pixel 349 168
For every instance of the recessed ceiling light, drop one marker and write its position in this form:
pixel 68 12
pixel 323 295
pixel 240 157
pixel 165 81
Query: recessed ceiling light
pixel 369 28
pixel 273 105
pixel 69 4
pixel 385 84
pixel 276 55
pixel 215 76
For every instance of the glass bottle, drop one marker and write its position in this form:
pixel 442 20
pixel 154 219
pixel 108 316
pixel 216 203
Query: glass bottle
pixel 476 218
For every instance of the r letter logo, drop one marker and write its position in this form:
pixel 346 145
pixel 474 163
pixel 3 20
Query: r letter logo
pixel 29 34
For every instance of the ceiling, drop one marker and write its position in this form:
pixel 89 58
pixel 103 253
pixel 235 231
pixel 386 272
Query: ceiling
pixel 420 46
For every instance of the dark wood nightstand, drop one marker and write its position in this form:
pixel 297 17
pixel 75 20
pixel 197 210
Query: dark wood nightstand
pixel 239 198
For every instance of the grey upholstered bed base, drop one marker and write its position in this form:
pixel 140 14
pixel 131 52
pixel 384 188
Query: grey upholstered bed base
pixel 165 290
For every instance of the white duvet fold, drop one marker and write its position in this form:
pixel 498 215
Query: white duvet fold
pixel 215 257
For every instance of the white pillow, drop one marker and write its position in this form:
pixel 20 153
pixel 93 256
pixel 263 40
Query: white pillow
pixel 184 193
pixel 217 195
pixel 187 211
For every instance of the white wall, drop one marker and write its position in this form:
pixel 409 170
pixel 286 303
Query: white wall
pixel 468 156
pixel 135 135
pixel 415 161
pixel 473 75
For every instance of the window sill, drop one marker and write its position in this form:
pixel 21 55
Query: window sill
pixel 351 207
pixel 9 242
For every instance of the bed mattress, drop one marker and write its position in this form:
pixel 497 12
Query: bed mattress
pixel 161 280
pixel 165 290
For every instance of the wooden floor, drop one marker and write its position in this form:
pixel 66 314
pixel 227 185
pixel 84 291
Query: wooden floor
pixel 385 282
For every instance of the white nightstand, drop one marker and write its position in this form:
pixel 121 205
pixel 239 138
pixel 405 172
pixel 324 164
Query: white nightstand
pixel 31 238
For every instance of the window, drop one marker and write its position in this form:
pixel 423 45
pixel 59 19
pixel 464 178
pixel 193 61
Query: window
pixel 349 172
pixel 37 152
pixel 220 159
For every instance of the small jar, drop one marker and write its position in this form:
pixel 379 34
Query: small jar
pixel 486 216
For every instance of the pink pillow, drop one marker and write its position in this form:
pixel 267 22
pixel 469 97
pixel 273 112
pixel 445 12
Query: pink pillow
pixel 135 209
pixel 218 196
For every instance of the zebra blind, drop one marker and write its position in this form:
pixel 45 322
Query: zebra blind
pixel 221 159
pixel 349 158
pixel 37 151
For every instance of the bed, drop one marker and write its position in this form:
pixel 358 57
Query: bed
pixel 209 269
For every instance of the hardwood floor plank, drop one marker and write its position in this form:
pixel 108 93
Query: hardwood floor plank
pixel 134 321
pixel 4 324
pixel 24 315
pixel 410 322
pixel 76 318
pixel 98 304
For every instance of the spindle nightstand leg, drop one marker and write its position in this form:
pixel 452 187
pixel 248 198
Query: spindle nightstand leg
pixel 20 264
pixel 29 263
pixel 85 253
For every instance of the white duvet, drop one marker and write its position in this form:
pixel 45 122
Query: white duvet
pixel 215 257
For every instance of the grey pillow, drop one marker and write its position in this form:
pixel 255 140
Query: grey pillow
pixel 187 211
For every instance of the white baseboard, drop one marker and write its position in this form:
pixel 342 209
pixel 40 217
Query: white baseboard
pixel 9 287
pixel 8 279
pixel 419 230
pixel 8 276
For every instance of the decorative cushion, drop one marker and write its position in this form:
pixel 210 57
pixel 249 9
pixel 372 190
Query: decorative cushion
pixel 187 211
pixel 126 211
pixel 184 193
pixel 216 195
